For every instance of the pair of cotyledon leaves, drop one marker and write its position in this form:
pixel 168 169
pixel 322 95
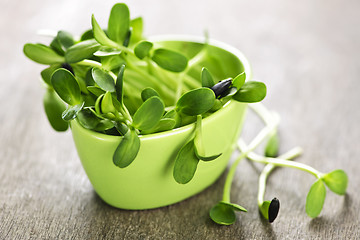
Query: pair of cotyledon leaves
pixel 336 181
pixel 223 213
pixel 201 100
pixel 63 48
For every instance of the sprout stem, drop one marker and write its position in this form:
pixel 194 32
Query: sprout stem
pixel 262 135
pixel 284 163
pixel 293 153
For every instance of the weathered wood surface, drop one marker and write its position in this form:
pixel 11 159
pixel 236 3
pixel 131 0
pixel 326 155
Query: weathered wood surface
pixel 306 52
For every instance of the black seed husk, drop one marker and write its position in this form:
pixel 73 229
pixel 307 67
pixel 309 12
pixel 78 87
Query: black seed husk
pixel 221 89
pixel 273 209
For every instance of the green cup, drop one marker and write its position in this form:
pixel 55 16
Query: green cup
pixel 148 182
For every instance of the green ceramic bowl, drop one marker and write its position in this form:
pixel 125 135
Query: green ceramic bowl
pixel 148 182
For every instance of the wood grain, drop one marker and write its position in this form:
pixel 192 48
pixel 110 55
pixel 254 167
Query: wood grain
pixel 307 54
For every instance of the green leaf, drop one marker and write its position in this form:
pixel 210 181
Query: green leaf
pixel 53 108
pixel 88 34
pixel 42 54
pixel 206 78
pixel 95 90
pixel 100 36
pixel 88 118
pixel 272 146
pixel 72 111
pixel 239 80
pixel 224 213
pixel 107 105
pixel 336 181
pixel 250 92
pixel 149 114
pixel 147 93
pixel 112 62
pixel 315 198
pixel 137 30
pixel 142 49
pixel 127 150
pixel 170 60
pixel 119 23
pixel 164 124
pixel 81 51
pixel 196 102
pixel 122 128
pixel 47 73
pixel 103 79
pixel 66 86
pixel 65 39
pixel 107 51
pixel 56 46
pixel 119 88
pixel 185 163
pixel 170 114
pixel 127 38
pixel 98 104
pixel 104 125
pixel 217 105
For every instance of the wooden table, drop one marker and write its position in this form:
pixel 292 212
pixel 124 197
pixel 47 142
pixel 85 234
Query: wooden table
pixel 307 52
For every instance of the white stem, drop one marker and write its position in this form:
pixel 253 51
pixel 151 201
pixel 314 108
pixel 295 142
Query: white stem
pixel 293 153
pixel 279 161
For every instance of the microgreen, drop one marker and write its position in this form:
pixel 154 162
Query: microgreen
pixel 127 150
pixel 239 80
pixel 170 60
pixel 272 146
pixel 189 156
pixel 136 25
pixel 206 78
pixel 142 49
pixel 71 112
pixel 119 85
pixel 149 114
pixel 81 51
pixel 100 35
pixel 315 198
pixel 195 102
pixel 270 209
pixel 162 88
pixel 148 93
pixel 103 79
pixel 224 213
pixel 54 108
pixel 336 181
pixel 119 23
pixel 47 72
pixel 250 92
pixel 42 54
pixel 66 86
pixel 65 39
pixel 185 163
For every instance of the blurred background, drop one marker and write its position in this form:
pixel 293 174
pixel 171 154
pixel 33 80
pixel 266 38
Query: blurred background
pixel 306 52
